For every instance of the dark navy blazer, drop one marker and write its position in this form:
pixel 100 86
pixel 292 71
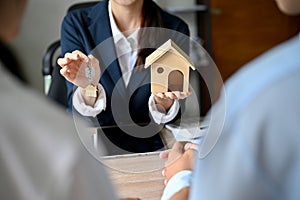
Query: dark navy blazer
pixel 89 31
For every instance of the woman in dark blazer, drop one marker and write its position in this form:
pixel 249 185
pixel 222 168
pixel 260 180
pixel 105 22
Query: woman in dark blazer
pixel 90 32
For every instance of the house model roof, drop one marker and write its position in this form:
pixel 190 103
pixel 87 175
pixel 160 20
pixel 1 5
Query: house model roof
pixel 166 47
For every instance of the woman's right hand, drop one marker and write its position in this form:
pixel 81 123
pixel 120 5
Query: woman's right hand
pixel 73 68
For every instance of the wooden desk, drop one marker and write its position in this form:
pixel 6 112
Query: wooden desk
pixel 135 175
pixel 140 175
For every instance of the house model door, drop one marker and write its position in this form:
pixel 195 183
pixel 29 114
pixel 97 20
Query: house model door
pixel 175 81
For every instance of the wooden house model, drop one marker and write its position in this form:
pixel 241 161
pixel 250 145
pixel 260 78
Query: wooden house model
pixel 170 67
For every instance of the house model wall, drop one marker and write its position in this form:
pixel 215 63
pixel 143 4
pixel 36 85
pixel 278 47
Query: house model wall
pixel 170 68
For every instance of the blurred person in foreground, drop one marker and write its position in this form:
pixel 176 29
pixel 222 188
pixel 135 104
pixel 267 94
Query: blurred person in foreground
pixel 41 157
pixel 257 154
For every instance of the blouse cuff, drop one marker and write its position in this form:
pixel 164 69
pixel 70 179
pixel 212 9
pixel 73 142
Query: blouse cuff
pixel 87 110
pixel 179 181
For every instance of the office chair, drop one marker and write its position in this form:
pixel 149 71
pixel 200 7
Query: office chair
pixel 54 83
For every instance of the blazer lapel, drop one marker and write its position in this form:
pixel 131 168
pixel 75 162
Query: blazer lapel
pixel 100 31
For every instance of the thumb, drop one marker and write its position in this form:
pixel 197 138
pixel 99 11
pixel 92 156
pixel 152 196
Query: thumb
pixel 178 147
pixel 175 153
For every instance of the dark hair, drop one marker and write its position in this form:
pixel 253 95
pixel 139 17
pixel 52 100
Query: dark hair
pixel 150 18
pixel 10 62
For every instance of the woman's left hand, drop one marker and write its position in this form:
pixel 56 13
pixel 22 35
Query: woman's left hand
pixel 166 99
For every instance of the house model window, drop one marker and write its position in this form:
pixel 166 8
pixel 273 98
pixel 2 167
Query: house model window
pixel 170 67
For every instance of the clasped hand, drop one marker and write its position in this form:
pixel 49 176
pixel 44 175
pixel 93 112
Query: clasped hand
pixel 179 158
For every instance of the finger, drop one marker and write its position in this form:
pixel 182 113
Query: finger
pixel 165 181
pixel 77 56
pixel 63 61
pixel 182 95
pixel 177 94
pixel 170 95
pixel 72 56
pixel 69 61
pixel 163 172
pixel 160 95
pixel 63 71
pixel 186 94
pixel 173 95
pixel 69 69
pixel 176 151
pixel 164 154
pixel 81 55
pixel 178 147
pixel 68 73
pixel 192 146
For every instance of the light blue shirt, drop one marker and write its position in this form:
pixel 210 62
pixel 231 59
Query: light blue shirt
pixel 257 154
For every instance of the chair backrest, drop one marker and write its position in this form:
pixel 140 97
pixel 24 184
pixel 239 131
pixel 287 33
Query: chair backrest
pixel 54 83
pixel 82 5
